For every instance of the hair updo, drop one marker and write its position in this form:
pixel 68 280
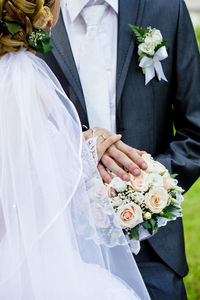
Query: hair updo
pixel 18 19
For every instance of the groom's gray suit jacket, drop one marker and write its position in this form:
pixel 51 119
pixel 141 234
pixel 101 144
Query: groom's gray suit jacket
pixel 146 115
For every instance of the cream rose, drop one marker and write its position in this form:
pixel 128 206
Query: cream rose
pixel 130 215
pixel 156 199
pixel 153 166
pixel 168 182
pixel 149 160
pixel 140 183
pixel 158 167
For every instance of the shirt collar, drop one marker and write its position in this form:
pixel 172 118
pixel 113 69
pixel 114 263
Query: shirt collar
pixel 74 7
pixel 113 4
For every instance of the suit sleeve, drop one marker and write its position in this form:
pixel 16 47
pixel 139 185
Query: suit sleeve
pixel 183 154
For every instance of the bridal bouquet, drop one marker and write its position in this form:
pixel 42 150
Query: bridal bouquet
pixel 146 202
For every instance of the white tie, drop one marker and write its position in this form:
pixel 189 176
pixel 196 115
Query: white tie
pixel 93 71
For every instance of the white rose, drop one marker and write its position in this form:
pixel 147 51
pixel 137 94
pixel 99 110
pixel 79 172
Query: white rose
pixel 116 201
pixel 149 160
pixel 168 182
pixel 156 37
pixel 138 197
pixel 153 166
pixel 156 199
pixel 140 183
pixel 146 48
pixel 118 184
pixel 130 215
pixel 155 180
pixel 158 167
pixel 100 218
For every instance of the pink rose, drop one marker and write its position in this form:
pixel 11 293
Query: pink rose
pixel 100 218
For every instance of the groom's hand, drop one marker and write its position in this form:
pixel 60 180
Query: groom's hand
pixel 120 155
pixel 117 156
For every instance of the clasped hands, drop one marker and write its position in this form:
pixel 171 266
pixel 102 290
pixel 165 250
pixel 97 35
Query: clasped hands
pixel 113 154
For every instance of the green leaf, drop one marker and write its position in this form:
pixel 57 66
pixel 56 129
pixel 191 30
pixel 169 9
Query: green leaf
pixel 141 56
pixel 174 175
pixel 173 201
pixel 168 215
pixel 154 224
pixel 173 194
pixel 139 32
pixel 146 225
pixel 162 173
pixel 171 208
pixel 168 212
pixel 13 27
pixel 162 44
pixel 134 233
pixel 143 71
pixel 179 190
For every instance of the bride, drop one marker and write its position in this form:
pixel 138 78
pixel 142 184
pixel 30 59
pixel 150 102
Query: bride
pixel 59 238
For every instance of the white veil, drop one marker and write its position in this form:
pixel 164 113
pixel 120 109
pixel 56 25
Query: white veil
pixel 59 238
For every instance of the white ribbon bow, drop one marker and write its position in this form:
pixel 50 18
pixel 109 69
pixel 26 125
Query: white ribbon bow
pixel 152 65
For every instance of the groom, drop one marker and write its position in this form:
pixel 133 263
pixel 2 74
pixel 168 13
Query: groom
pixel 118 99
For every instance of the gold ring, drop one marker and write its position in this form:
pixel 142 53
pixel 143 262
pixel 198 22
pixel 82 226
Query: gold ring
pixel 93 132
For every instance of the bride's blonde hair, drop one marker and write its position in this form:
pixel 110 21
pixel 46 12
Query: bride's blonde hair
pixel 28 14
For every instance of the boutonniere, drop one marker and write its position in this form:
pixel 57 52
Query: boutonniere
pixel 151 51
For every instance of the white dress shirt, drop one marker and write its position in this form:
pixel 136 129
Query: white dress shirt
pixel 76 29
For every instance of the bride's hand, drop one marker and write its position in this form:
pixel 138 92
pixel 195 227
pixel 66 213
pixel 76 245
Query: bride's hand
pixel 105 139
pixel 103 144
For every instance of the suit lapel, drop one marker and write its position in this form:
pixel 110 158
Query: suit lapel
pixel 64 56
pixel 130 12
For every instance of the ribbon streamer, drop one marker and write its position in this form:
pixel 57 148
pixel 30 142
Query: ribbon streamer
pixel 153 65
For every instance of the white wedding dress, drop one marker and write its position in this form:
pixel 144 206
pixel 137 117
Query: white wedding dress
pixel 59 238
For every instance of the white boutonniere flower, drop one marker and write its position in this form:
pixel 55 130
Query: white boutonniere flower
pixel 151 51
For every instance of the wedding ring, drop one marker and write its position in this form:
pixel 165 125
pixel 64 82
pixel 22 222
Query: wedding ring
pixel 93 132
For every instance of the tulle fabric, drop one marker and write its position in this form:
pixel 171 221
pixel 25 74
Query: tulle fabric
pixel 59 238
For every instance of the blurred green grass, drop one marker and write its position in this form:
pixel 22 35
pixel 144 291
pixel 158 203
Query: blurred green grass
pixel 191 220
pixel 197 31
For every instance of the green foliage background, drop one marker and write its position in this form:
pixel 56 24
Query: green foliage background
pixel 191 220
pixel 197 31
